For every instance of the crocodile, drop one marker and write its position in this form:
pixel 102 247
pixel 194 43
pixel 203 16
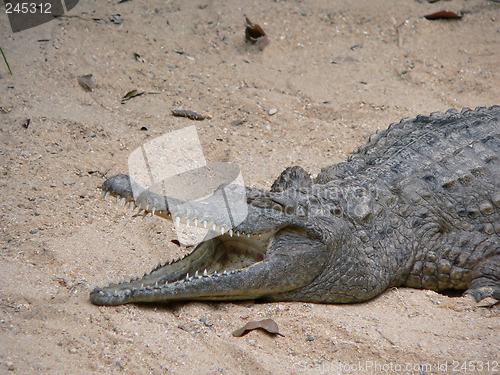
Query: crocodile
pixel 417 206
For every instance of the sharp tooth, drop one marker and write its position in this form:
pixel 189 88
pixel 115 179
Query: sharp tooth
pixel 214 227
pixel 195 222
pixel 147 207
pixel 187 276
pixel 205 224
pixel 221 230
pixel 248 235
pixel 215 274
pixel 238 233
pixel 122 202
pixel 196 275
pixel 153 212
pixel 132 205
pixel 224 273
pixel 260 234
pixel 177 220
pixel 118 199
pixel 156 284
pixel 106 195
pixel 205 273
pixel 187 222
pixel 231 232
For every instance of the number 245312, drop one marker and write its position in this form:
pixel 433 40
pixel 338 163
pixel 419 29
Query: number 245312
pixel 25 8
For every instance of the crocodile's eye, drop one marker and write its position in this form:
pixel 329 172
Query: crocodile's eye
pixel 336 211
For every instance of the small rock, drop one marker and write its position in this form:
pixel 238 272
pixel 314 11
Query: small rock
pixel 273 111
pixel 251 342
pixel 237 122
pixel 309 338
pixel 204 321
pixel 10 365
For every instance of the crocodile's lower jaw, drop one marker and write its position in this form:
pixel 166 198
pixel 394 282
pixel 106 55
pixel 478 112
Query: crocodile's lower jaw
pixel 217 258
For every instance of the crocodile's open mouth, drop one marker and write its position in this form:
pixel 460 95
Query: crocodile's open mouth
pixel 224 253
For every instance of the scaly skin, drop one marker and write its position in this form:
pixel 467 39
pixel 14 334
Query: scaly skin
pixel 417 206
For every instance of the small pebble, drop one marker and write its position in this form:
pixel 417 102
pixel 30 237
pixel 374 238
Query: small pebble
pixel 10 365
pixel 273 111
pixel 251 342
pixel 204 321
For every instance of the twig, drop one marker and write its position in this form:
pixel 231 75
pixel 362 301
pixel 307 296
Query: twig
pixel 400 36
pixel 6 62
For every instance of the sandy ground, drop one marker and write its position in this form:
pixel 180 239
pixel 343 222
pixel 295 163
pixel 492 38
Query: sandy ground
pixel 336 71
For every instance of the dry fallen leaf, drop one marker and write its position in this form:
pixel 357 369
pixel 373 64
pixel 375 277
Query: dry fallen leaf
pixel 190 114
pixel 256 34
pixel 267 324
pixel 86 82
pixel 444 14
pixel 130 95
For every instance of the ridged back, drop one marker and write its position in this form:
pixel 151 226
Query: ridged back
pixel 453 154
